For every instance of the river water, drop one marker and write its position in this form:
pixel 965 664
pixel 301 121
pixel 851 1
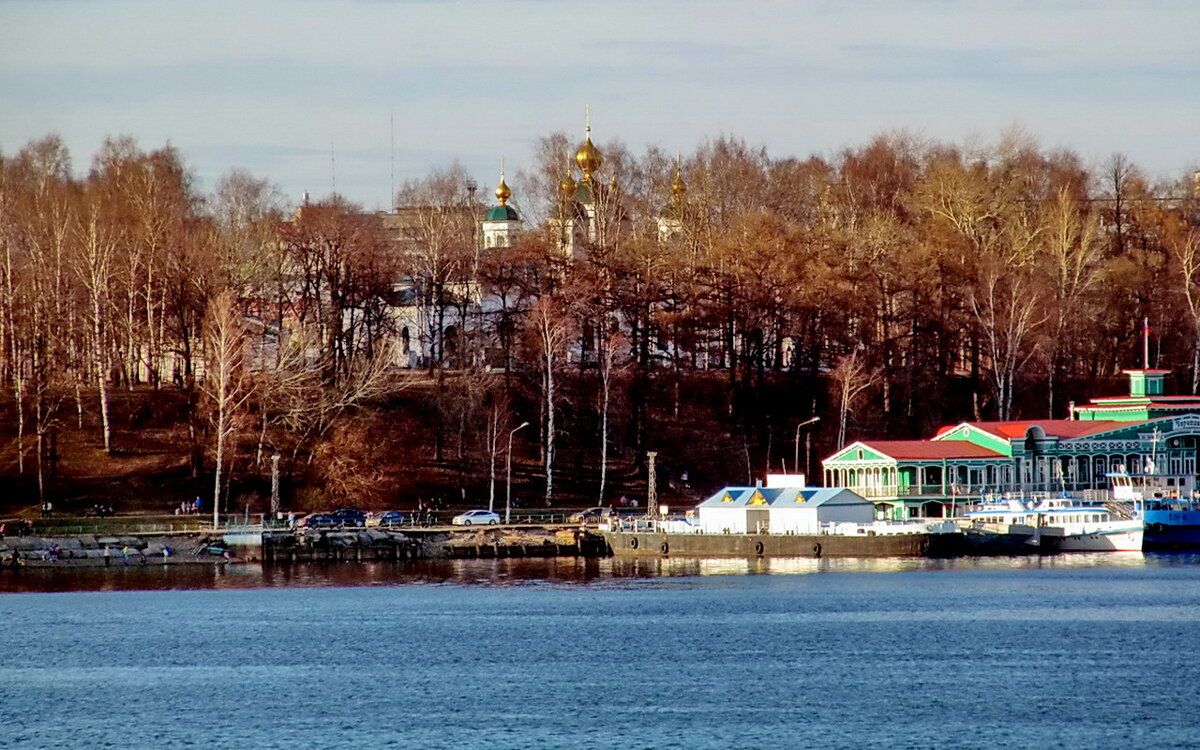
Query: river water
pixel 1071 651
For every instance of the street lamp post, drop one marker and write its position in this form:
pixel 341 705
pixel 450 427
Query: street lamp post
pixel 796 459
pixel 508 472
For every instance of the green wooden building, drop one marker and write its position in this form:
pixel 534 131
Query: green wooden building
pixel 940 476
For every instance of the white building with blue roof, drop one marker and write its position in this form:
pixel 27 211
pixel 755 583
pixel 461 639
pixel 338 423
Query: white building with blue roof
pixel 781 510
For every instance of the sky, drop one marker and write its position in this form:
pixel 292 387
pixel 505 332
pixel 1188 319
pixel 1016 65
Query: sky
pixel 358 95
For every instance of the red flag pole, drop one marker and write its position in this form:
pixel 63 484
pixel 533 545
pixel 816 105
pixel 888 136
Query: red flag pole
pixel 1145 343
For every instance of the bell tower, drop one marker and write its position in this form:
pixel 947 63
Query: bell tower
pixel 502 223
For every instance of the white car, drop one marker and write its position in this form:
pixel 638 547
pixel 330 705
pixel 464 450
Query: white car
pixel 476 518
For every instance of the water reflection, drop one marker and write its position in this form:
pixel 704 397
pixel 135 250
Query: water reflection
pixel 531 571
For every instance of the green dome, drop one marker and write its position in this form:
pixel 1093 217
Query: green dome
pixel 502 213
pixel 583 193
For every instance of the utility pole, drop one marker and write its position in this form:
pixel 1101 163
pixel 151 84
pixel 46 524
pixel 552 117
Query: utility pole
pixel 274 486
pixel 651 486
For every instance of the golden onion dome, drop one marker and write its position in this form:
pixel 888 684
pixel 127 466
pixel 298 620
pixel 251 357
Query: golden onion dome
pixel 567 186
pixel 678 187
pixel 503 193
pixel 588 158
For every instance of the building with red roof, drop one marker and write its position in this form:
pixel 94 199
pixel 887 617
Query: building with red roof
pixel 937 477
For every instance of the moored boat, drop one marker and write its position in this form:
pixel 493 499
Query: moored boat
pixel 1166 505
pixel 1063 523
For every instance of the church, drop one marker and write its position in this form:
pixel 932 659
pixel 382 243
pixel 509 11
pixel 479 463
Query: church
pixel 437 309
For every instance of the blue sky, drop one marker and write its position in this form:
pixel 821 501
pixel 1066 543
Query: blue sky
pixel 273 86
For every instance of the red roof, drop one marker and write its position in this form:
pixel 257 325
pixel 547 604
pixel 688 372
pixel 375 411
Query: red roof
pixel 1148 400
pixel 930 449
pixel 1063 428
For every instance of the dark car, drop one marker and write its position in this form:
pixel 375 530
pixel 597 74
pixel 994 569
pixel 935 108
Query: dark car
pixel 320 521
pixel 349 517
pixel 392 518
pixel 591 515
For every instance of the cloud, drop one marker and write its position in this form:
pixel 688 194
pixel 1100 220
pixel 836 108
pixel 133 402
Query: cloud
pixel 270 85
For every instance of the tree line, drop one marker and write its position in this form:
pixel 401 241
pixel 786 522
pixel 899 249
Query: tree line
pixel 720 301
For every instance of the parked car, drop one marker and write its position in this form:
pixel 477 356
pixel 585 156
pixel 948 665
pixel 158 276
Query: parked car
pixel 591 515
pixel 349 517
pixel 392 518
pixel 320 521
pixel 476 518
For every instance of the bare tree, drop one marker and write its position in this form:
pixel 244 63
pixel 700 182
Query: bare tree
pixel 227 381
pixel 551 330
pixel 611 347
pixel 1072 258
pixel 439 247
pixel 850 378
pixel 1008 311
pixel 1183 248
pixel 97 245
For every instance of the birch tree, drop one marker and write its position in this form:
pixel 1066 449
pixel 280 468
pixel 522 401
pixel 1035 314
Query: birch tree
pixel 227 381
pixel 848 380
pixel 550 326
pixel 97 244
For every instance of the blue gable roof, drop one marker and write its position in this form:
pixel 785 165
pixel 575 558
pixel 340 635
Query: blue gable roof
pixel 782 497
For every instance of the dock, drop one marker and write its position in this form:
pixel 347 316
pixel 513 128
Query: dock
pixel 420 543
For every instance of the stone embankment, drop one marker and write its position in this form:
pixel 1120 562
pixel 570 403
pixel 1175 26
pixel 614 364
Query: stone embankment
pixel 299 545
pixel 89 550
pixel 303 545
pixel 543 542
pixel 309 545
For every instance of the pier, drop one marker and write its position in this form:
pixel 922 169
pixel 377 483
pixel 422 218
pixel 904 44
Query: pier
pixel 418 543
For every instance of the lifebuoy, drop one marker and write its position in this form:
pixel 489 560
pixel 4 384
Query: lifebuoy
pixel 665 548
pixel 758 548
pixel 817 549
pixel 1155 527
pixel 633 543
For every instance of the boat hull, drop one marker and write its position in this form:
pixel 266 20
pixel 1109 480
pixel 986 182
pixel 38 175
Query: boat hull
pixel 1129 540
pixel 659 544
pixel 1172 529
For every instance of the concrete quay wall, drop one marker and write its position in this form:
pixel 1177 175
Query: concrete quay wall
pixel 306 545
pixel 88 550
pixel 658 544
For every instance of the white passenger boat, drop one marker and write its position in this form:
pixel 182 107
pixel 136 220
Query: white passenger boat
pixel 1064 523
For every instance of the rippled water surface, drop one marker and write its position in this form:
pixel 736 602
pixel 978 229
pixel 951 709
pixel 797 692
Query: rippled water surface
pixel 1084 651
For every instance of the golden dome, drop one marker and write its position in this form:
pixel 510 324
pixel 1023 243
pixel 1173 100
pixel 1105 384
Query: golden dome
pixel 588 158
pixel 502 191
pixel 678 188
pixel 567 186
